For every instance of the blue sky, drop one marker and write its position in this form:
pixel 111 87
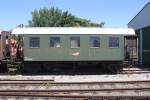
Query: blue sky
pixel 115 13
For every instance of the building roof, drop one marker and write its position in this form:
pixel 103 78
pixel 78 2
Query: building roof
pixel 73 30
pixel 141 20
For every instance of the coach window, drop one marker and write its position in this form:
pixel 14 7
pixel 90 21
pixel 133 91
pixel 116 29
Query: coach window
pixel 55 42
pixel 113 42
pixel 75 42
pixel 34 42
pixel 94 42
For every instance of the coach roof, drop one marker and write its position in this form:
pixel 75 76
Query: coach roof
pixel 73 30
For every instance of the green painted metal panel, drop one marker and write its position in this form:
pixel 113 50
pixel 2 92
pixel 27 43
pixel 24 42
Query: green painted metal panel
pixel 146 58
pixel 146 45
pixel 64 53
pixel 146 38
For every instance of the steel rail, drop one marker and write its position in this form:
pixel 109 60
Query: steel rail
pixel 71 96
pixel 75 90
pixel 25 81
pixel 131 72
pixel 53 82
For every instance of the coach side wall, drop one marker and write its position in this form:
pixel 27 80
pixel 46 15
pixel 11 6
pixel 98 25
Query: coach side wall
pixel 64 52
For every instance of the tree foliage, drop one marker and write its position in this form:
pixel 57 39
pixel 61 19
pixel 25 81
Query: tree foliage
pixel 55 17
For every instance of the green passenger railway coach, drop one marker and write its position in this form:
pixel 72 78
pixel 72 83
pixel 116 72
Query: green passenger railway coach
pixel 73 44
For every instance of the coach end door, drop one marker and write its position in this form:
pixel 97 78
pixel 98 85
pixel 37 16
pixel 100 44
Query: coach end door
pixel 131 45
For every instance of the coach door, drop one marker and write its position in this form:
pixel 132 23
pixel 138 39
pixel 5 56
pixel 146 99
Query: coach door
pixel 131 45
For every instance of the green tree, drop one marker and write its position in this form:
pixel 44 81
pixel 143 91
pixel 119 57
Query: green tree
pixel 55 17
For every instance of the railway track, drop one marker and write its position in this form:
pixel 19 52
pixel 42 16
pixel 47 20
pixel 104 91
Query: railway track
pixel 9 81
pixel 61 95
pixel 135 70
pixel 51 85
pixel 72 90
pixel 78 92
pixel 73 97
pixel 65 96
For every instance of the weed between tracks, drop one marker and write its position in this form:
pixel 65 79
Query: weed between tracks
pixel 47 85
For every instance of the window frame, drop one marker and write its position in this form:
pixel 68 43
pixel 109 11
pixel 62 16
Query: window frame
pixel 31 46
pixel 117 42
pixel 91 44
pixel 54 42
pixel 71 38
